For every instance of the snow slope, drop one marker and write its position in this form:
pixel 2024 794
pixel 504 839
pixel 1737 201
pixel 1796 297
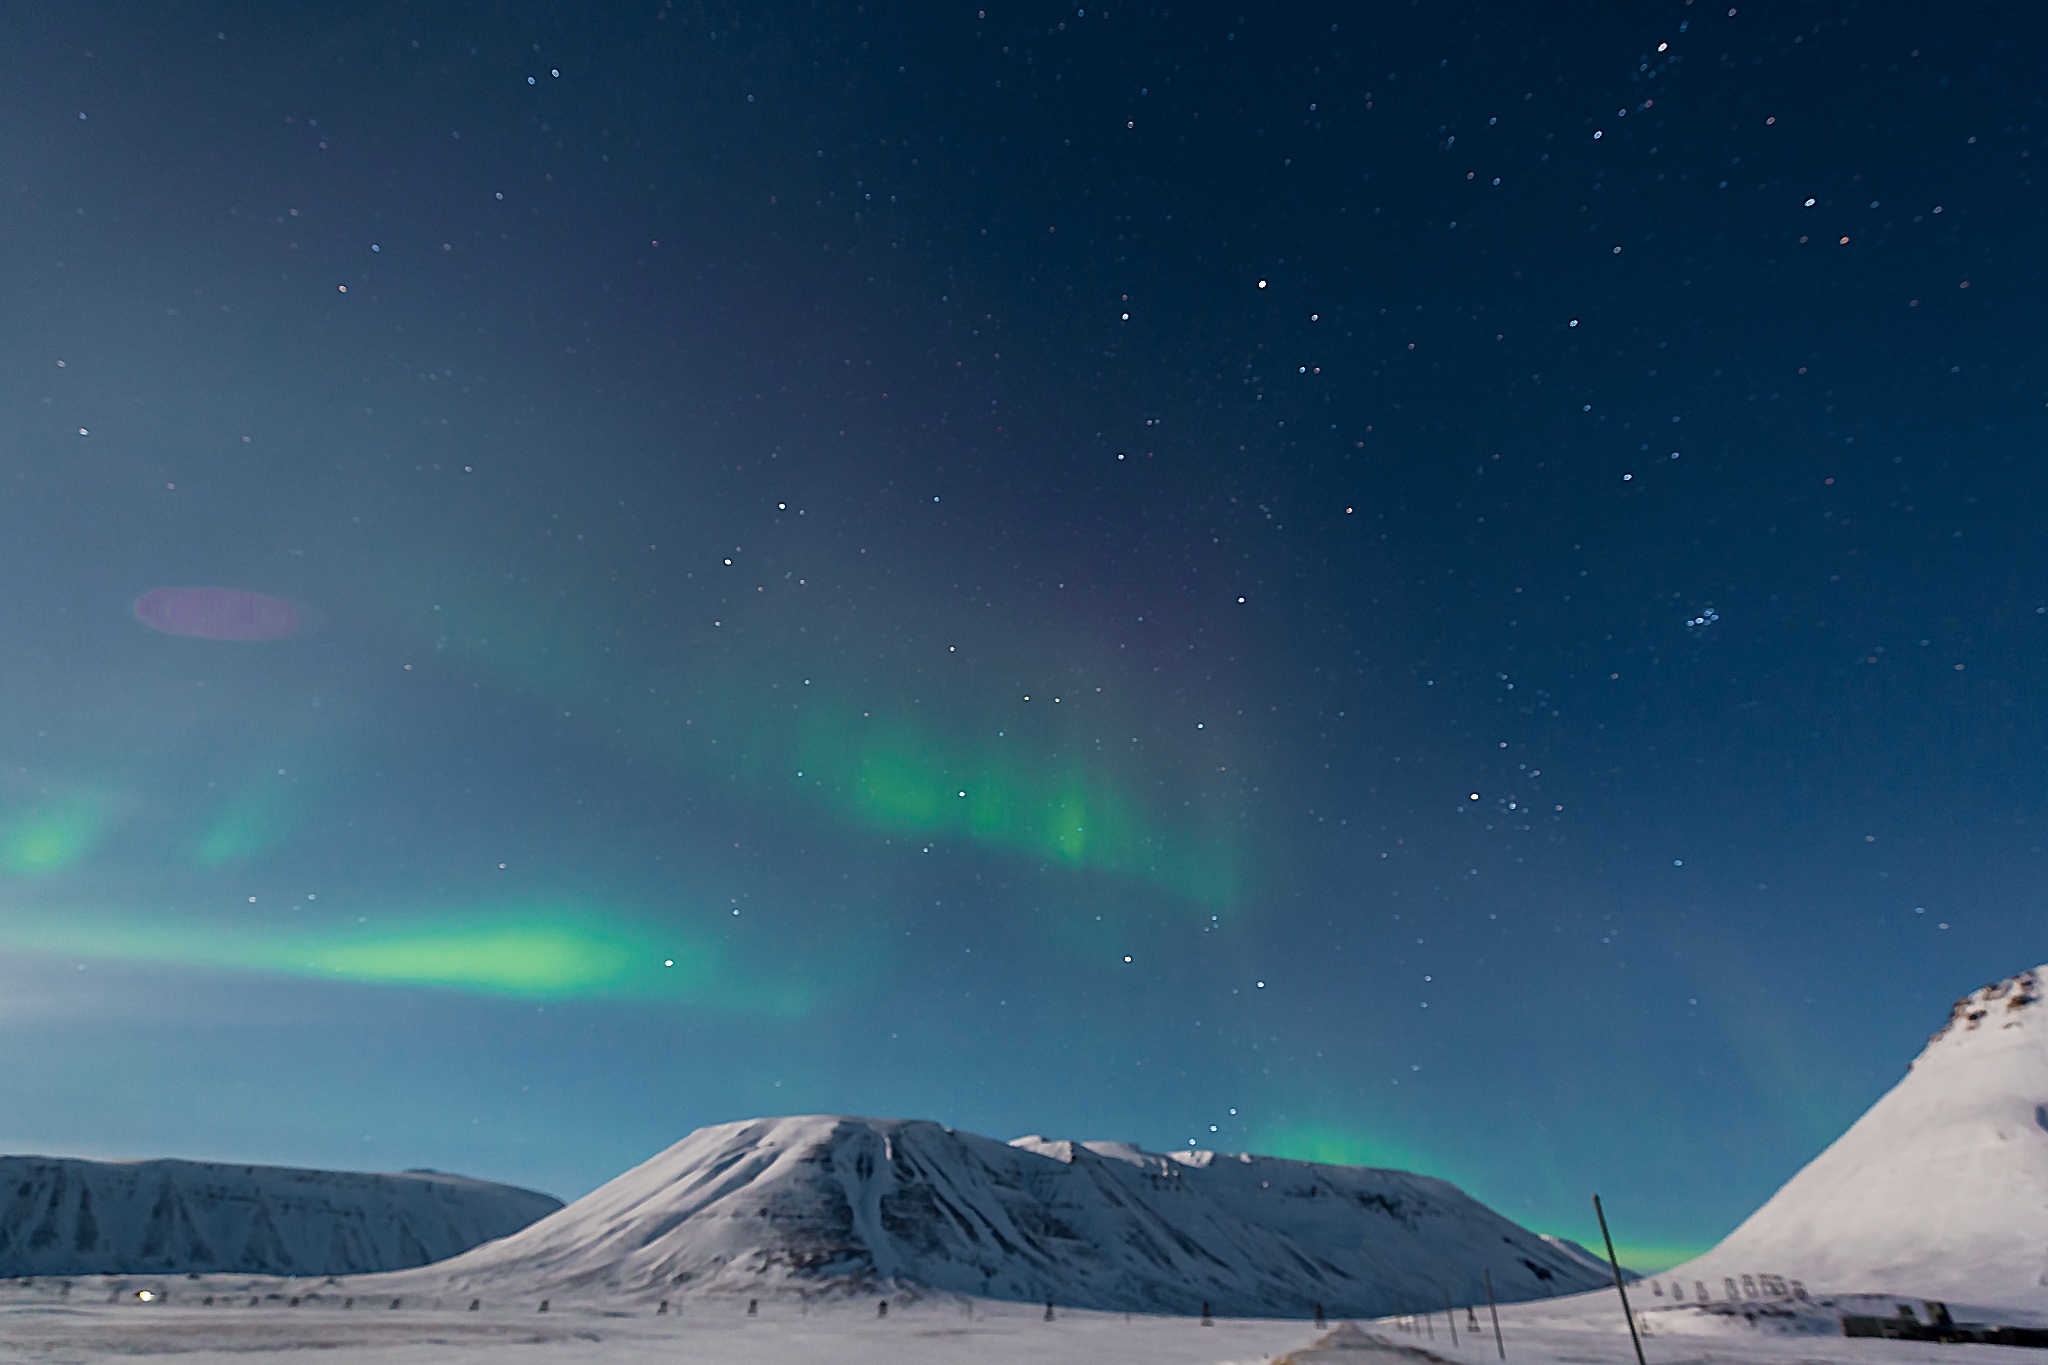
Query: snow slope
pixel 837 1206
pixel 63 1216
pixel 1940 1190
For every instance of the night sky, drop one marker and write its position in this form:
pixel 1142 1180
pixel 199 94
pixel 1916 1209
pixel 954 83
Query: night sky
pixel 1428 585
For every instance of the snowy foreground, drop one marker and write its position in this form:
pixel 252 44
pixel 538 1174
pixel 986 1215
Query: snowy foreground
pixel 1588 1329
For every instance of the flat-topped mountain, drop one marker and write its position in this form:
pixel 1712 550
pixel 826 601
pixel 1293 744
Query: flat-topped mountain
pixel 832 1205
pixel 66 1216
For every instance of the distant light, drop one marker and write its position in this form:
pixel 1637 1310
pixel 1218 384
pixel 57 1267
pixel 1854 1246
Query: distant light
pixel 1127 959
pixel 1475 796
pixel 1262 283
pixel 668 962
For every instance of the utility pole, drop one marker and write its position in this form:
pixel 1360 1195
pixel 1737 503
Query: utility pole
pixel 1626 1312
pixel 1450 1317
pixel 1493 1313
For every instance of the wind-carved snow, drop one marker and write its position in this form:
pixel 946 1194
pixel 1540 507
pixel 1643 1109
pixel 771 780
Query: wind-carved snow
pixel 64 1216
pixel 1940 1190
pixel 833 1206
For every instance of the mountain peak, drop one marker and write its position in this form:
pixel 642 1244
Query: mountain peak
pixel 1939 1190
pixel 2002 1005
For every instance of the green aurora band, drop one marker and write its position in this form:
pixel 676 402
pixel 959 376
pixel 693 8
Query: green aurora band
pixel 1336 1145
pixel 1028 779
pixel 524 951
pixel 771 706
pixel 53 836
pixel 257 821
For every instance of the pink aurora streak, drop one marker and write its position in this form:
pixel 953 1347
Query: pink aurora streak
pixel 217 614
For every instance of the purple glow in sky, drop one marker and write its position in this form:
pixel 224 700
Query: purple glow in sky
pixel 217 614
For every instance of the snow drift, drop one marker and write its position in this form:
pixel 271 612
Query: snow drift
pixel 1940 1190
pixel 63 1216
pixel 832 1206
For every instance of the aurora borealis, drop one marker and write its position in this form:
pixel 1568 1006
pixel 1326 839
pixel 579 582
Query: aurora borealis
pixel 1412 586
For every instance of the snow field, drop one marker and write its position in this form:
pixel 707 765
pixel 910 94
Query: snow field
pixel 40 1329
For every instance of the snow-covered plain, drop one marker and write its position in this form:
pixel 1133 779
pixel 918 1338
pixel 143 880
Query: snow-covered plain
pixel 1587 1329
pixel 926 1332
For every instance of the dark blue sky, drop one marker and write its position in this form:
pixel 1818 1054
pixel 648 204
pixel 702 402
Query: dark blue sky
pixel 1412 584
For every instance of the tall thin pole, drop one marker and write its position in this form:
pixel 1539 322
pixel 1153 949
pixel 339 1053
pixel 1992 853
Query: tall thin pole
pixel 1626 1312
pixel 1493 1313
pixel 1450 1317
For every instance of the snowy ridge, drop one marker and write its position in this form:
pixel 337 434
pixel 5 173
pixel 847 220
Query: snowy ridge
pixel 829 1205
pixel 1940 1190
pixel 65 1216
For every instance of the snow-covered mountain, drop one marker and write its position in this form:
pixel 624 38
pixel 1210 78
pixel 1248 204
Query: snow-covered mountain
pixel 832 1205
pixel 1940 1190
pixel 64 1216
